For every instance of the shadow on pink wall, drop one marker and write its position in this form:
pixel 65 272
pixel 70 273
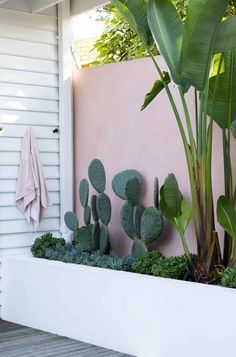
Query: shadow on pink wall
pixel 110 126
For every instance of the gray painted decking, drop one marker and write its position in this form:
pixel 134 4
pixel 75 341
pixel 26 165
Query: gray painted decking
pixel 20 341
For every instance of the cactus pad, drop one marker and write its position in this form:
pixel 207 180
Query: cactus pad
pixel 94 208
pixel 119 182
pixel 133 191
pixel 97 175
pixel 87 215
pixel 104 208
pixel 138 211
pixel 127 220
pixel 104 246
pixel 156 193
pixel 84 192
pixel 151 225
pixel 83 238
pixel 139 248
pixel 95 237
pixel 71 221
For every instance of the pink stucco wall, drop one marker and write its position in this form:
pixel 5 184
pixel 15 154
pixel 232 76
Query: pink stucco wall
pixel 110 126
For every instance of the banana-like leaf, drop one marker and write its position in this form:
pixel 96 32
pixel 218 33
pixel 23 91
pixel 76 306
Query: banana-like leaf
pixel 186 213
pixel 167 30
pixel 172 196
pixel 225 39
pixel 156 89
pixel 222 93
pixel 135 13
pixel 202 23
pixel 226 216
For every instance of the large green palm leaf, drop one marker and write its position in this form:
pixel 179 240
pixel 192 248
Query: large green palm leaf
pixel 167 29
pixel 226 36
pixel 222 93
pixel 200 30
pixel 135 13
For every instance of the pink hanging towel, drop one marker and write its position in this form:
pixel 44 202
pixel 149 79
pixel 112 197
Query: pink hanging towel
pixel 32 196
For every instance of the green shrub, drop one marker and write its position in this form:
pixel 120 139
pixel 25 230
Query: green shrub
pixel 46 241
pixel 171 267
pixel 143 265
pixel 228 278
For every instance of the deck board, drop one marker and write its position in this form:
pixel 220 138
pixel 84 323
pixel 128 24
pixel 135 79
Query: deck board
pixel 20 341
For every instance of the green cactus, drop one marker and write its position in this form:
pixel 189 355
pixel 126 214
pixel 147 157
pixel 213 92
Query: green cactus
pixel 139 248
pixel 143 225
pixel 83 238
pixel 92 237
pixel 87 215
pixel 84 192
pixel 97 175
pixel 94 208
pixel 133 191
pixel 119 182
pixel 104 208
pixel 126 219
pixel 71 221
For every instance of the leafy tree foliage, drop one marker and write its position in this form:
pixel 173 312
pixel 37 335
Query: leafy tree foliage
pixel 119 42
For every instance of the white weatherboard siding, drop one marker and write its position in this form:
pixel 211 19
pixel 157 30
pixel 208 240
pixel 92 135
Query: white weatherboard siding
pixel 29 96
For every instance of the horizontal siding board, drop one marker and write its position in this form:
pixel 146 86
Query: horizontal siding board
pixel 19 131
pixel 28 64
pixel 13 159
pixel 21 240
pixel 31 78
pixel 11 172
pixel 14 145
pixel 28 118
pixel 28 91
pixel 24 34
pixel 26 104
pixel 8 199
pixel 53 185
pixel 12 213
pixel 28 49
pixel 21 226
pixel 18 18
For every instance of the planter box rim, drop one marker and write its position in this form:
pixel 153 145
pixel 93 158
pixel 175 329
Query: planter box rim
pixel 130 275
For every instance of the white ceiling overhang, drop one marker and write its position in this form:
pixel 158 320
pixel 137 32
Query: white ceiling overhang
pixel 40 5
pixel 77 6
pixel 80 6
pixel 37 6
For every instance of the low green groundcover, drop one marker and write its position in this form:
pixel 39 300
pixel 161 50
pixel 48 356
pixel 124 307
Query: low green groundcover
pixel 154 263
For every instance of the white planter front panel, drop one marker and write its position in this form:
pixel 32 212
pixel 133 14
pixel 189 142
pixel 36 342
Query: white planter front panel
pixel 141 315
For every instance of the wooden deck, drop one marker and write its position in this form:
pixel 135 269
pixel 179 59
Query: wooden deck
pixel 20 341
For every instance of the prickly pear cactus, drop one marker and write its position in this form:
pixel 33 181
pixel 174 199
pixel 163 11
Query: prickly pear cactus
pixel 143 225
pixel 92 237
pixel 119 182
pixel 97 175
pixel 71 221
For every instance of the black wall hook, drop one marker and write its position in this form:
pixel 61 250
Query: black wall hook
pixel 55 131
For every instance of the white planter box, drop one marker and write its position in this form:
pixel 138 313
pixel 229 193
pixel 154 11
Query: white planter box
pixel 140 315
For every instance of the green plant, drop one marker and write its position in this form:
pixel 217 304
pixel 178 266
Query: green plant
pixel 228 277
pixel 189 49
pixel 143 225
pixel 119 42
pixel 73 254
pixel 45 242
pixel 143 265
pixel 170 267
pixel 92 237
